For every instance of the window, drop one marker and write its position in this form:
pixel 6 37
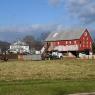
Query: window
pixel 70 42
pixel 85 33
pixel 58 43
pixel 75 42
pixel 66 42
pixel 90 46
pixel 87 38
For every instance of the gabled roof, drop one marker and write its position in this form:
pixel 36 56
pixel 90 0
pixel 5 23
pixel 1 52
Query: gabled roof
pixel 69 34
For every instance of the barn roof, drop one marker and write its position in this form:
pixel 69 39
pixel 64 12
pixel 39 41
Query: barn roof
pixel 69 34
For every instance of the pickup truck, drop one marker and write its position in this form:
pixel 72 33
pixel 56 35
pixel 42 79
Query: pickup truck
pixel 55 55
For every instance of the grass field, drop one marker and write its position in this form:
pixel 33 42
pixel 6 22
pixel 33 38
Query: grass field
pixel 45 87
pixel 54 69
pixel 55 77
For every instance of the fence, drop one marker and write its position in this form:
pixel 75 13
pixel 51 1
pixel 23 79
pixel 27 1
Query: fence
pixel 36 57
pixel 87 57
pixel 30 57
pixel 21 57
pixel 9 56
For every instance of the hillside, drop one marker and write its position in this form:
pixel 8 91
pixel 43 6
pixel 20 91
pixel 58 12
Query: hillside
pixel 4 45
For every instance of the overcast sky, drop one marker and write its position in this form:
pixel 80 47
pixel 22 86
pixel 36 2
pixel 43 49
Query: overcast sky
pixel 29 15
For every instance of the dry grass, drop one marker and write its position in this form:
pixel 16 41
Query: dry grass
pixel 54 69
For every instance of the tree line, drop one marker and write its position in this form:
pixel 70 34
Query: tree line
pixel 30 40
pixel 33 43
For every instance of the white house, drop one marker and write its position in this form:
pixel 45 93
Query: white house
pixel 19 46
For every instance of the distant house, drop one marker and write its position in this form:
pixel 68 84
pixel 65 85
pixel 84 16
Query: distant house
pixel 75 40
pixel 19 46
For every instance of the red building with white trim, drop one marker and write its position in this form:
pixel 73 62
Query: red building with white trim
pixel 74 40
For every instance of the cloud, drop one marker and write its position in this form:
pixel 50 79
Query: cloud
pixel 32 28
pixel 55 2
pixel 82 9
pixel 17 32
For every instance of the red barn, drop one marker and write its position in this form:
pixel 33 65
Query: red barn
pixel 73 41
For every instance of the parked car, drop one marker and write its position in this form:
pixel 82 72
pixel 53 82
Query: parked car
pixel 82 54
pixel 55 55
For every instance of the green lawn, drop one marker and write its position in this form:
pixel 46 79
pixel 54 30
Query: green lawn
pixel 45 87
pixel 56 77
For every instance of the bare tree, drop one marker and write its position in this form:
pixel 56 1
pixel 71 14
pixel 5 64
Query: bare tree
pixel 44 35
pixel 30 40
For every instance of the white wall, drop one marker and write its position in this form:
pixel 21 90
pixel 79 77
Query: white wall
pixel 17 48
pixel 66 48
